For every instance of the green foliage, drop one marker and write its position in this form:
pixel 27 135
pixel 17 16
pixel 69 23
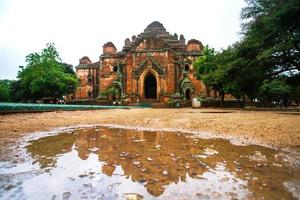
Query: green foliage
pixel 203 99
pixel 112 91
pixel 274 90
pixel 5 90
pixel 214 70
pixel 272 27
pixel 103 93
pixel 175 100
pixel 265 64
pixel 205 63
pixel 294 83
pixel 295 94
pixel 45 76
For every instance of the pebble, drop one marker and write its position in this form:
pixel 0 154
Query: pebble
pixel 66 195
pixel 82 175
pixel 94 149
pixel 216 195
pixel 165 172
pixel 203 196
pixel 137 162
pixel 133 196
pixel 8 187
pixel 142 180
pixel 143 169
pixel 87 185
pixel 124 154
pixel 277 165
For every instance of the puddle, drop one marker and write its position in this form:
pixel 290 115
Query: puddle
pixel 110 163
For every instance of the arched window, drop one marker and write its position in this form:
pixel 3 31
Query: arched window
pixel 115 69
pixel 186 67
pixel 90 79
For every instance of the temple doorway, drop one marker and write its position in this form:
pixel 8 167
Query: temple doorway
pixel 188 94
pixel 150 87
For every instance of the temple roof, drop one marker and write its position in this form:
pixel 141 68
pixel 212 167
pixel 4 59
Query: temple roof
pixel 86 66
pixel 157 30
pixel 155 26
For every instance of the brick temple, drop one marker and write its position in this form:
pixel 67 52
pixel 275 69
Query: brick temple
pixel 152 67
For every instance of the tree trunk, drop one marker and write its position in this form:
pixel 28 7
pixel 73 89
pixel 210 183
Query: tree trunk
pixel 222 98
pixel 285 100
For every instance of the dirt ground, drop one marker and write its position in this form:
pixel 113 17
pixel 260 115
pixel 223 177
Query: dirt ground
pixel 278 129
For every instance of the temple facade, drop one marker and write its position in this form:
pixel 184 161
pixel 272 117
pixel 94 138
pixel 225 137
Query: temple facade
pixel 154 66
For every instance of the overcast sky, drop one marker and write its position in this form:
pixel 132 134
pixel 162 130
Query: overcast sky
pixel 81 27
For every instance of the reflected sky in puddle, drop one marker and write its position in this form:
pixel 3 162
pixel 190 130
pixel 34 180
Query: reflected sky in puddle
pixel 107 163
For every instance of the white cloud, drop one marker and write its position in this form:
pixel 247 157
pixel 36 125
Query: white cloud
pixel 81 27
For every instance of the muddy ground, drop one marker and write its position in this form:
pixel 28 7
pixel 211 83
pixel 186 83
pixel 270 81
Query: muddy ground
pixel 277 129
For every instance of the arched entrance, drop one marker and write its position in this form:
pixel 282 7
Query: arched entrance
pixel 150 86
pixel 188 94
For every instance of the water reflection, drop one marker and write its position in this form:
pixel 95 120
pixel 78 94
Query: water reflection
pixel 116 163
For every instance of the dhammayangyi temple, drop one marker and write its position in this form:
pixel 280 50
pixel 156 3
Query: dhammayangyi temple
pixel 152 67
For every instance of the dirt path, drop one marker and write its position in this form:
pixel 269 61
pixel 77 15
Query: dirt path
pixel 278 129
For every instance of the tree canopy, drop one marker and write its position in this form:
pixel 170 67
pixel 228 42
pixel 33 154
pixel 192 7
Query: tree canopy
pixel 5 90
pixel 265 64
pixel 44 76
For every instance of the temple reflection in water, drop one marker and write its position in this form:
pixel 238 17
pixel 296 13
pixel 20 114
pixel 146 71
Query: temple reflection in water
pixel 160 159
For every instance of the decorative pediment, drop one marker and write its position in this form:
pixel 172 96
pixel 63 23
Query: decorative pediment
pixel 149 42
pixel 185 84
pixel 149 63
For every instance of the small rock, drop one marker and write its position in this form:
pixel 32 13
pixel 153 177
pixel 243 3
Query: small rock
pixel 133 196
pixel 124 154
pixel 165 172
pixel 82 175
pixel 277 165
pixel 8 187
pixel 150 159
pixel 94 149
pixel 264 184
pixel 66 195
pixel 87 185
pixel 216 195
pixel 72 179
pixel 136 162
pixel 141 140
pixel 142 180
pixel 203 196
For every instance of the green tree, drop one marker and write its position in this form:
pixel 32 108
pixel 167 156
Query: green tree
pixel 205 63
pixel 274 90
pixel 45 76
pixel 5 90
pixel 266 62
pixel 294 83
pixel 211 70
pixel 273 28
